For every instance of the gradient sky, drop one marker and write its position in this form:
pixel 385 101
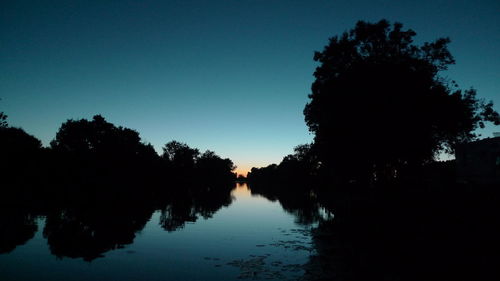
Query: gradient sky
pixel 229 76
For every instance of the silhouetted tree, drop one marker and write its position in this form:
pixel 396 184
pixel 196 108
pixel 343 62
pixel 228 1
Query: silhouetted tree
pixel 378 103
pixel 103 184
pixel 210 166
pixel 15 142
pixel 3 120
pixel 265 174
pixel 300 165
pixel 20 170
pixel 20 155
pixel 180 155
pixel 295 169
pixel 97 148
pixel 100 137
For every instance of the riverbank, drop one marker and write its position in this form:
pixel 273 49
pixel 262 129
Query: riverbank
pixel 410 234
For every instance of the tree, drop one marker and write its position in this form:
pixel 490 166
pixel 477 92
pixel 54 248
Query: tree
pixel 180 155
pixel 100 137
pixel 20 154
pixel 101 147
pixel 378 103
pixel 3 120
pixel 301 164
pixel 210 166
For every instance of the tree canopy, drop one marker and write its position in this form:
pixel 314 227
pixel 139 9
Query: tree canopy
pixel 3 120
pixel 20 153
pixel 297 168
pixel 378 102
pixel 100 137
pixel 180 154
pixel 186 160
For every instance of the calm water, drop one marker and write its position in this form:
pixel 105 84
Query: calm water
pixel 250 238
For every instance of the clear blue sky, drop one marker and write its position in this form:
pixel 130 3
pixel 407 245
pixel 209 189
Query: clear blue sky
pixel 229 76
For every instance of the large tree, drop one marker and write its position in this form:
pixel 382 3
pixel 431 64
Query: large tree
pixel 180 155
pixel 101 145
pixel 20 153
pixel 211 166
pixel 379 104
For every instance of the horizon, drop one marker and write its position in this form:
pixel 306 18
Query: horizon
pixel 233 79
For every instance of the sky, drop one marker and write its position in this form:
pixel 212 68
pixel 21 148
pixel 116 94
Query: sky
pixel 228 76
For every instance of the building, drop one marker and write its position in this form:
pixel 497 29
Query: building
pixel 479 161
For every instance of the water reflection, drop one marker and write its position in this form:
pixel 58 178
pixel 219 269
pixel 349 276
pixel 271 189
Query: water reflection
pixel 202 201
pixel 299 201
pixel 89 226
pixel 223 232
pixel 90 231
pixel 198 232
pixel 16 228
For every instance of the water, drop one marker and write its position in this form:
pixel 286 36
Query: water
pixel 251 238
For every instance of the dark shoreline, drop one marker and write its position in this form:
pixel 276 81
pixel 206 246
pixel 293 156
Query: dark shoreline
pixel 446 234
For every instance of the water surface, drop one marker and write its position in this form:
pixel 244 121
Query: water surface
pixel 250 238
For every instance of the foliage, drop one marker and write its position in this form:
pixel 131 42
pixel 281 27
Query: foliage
pixel 20 154
pixel 210 164
pixel 378 103
pixel 180 154
pixel 185 160
pixel 100 137
pixel 295 168
pixel 304 159
pixel 98 185
pixel 3 120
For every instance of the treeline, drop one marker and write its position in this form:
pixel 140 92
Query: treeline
pixel 97 184
pixel 91 159
pixel 86 150
pixel 380 111
pixel 298 168
pixel 93 219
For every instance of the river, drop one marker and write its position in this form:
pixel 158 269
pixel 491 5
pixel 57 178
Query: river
pixel 250 238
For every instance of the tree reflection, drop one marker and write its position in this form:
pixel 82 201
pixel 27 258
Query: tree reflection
pixel 16 228
pixel 90 230
pixel 197 201
pixel 89 224
pixel 98 185
pixel 298 200
pixel 174 216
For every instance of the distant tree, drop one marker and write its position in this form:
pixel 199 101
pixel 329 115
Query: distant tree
pixel 295 169
pixel 301 164
pixel 210 159
pixel 264 174
pixel 180 154
pixel 3 120
pixel 378 103
pixel 100 137
pixel 16 140
pixel 20 154
pixel 303 153
pixel 211 166
pixel 100 147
